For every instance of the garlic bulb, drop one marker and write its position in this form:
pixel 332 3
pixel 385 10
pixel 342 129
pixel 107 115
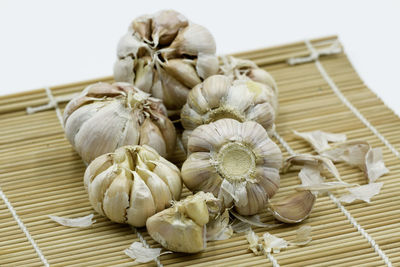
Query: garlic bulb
pixel 166 55
pixel 236 68
pixel 236 162
pixel 221 97
pixel 107 116
pixel 132 184
pixel 183 227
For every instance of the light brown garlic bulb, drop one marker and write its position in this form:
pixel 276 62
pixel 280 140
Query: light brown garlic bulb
pixel 166 55
pixel 221 97
pixel 182 228
pixel 236 162
pixel 236 68
pixel 107 116
pixel 132 184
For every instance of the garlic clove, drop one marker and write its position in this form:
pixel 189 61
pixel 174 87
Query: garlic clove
pixel 167 130
pixel 170 178
pixel 256 200
pixel 142 25
pixel 144 74
pixel 192 40
pixel 123 70
pixel 197 101
pixel 197 211
pixel 166 25
pixel 190 118
pixel 261 76
pixel 240 97
pixel 160 191
pixel 183 72
pixel 98 187
pixel 205 139
pixel 263 113
pixel 197 169
pixel 174 93
pixel 97 166
pixel 206 65
pixel 295 208
pixel 157 87
pixel 269 179
pixel 176 232
pixel 116 198
pixel 215 88
pixel 129 46
pixel 185 138
pixel 141 203
pixel 151 135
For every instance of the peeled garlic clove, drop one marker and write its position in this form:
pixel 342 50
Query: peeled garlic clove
pixel 107 116
pixel 131 190
pixel 225 161
pixel 294 208
pixel 182 228
pixel 166 25
pixel 184 72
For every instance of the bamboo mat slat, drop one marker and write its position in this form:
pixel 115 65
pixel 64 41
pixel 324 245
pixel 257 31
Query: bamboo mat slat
pixel 41 174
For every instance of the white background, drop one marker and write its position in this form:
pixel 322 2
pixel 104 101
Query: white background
pixel 45 43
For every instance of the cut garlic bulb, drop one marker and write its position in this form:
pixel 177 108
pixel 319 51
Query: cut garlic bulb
pixel 166 55
pixel 107 116
pixel 132 184
pixel 221 97
pixel 183 227
pixel 236 162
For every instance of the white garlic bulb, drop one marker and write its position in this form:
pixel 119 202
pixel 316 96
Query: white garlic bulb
pixel 221 97
pixel 184 226
pixel 132 184
pixel 236 162
pixel 166 55
pixel 107 116
pixel 237 68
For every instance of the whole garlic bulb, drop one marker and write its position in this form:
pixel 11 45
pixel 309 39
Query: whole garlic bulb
pixel 132 184
pixel 182 228
pixel 237 68
pixel 236 162
pixel 221 97
pixel 166 55
pixel 107 116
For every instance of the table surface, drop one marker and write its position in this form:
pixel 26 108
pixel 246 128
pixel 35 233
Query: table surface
pixel 47 43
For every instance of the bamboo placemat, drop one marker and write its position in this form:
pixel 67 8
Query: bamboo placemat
pixel 40 174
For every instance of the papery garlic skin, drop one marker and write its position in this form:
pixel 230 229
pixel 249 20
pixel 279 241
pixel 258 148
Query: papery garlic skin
pixel 107 116
pixel 182 228
pixel 166 55
pixel 235 161
pixel 221 97
pixel 132 184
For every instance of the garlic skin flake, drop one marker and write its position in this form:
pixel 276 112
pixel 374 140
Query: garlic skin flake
pixel 85 221
pixel 107 116
pixel 273 243
pixel 221 97
pixel 166 55
pixel 254 245
pixel 363 192
pixel 183 227
pixel 319 139
pixel 235 161
pixel 142 254
pixel 132 184
pixel 303 236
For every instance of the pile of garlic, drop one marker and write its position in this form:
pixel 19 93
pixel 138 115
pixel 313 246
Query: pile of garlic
pixel 227 109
